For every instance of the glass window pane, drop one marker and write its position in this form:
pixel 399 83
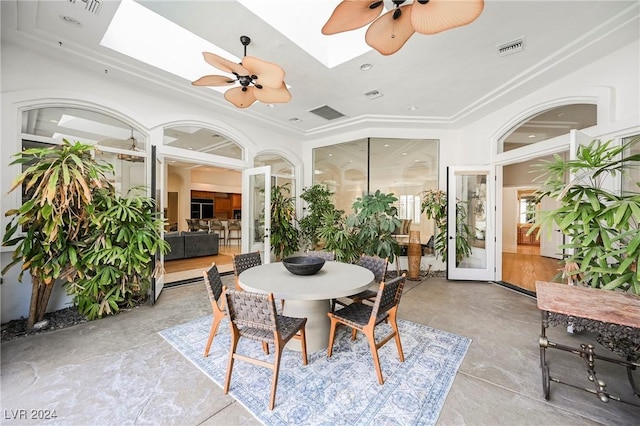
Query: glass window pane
pixel 342 169
pixel 404 167
pixel 202 140
pixel 549 124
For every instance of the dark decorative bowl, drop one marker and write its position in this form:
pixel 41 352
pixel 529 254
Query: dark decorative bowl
pixel 303 265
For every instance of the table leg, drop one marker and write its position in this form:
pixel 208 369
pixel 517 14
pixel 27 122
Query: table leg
pixel 317 328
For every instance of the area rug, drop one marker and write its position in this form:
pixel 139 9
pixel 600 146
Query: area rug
pixel 341 390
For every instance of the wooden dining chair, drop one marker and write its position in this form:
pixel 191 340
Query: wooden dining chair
pixel 253 315
pixel 244 261
pixel 375 264
pixel 215 290
pixel 364 318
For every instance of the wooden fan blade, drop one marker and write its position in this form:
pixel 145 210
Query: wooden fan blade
pixel 388 35
pixel 240 98
pixel 273 96
pixel 350 15
pixel 223 64
pixel 269 74
pixel 440 15
pixel 214 80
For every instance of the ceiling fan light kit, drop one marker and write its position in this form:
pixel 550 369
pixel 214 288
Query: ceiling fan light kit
pixel 259 80
pixel 389 32
pixel 129 157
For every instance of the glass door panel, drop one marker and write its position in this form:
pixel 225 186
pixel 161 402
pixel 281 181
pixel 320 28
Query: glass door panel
pixel 471 231
pixel 256 205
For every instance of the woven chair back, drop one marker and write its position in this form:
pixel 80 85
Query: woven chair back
pixel 252 310
pixel 375 264
pixel 244 261
pixel 214 287
pixel 389 296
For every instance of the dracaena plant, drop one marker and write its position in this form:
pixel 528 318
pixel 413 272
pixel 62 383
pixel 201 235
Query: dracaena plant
pixel 285 238
pixel 601 223
pixel 66 192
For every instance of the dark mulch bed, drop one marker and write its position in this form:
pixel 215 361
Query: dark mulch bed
pixel 55 321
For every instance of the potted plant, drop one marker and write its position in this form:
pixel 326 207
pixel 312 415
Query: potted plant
pixel 67 215
pixel 368 230
pixel 601 223
pixel 376 218
pixel 318 199
pixel 285 238
pixel 434 206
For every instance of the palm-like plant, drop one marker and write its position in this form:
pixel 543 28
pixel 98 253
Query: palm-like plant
pixel 59 185
pixel 319 202
pixel 601 223
pixel 73 226
pixel 285 238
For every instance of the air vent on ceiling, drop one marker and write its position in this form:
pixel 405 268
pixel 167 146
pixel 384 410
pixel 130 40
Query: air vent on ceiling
pixel 92 6
pixel 511 47
pixel 373 94
pixel 327 112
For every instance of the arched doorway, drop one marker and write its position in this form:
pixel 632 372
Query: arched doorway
pixel 525 256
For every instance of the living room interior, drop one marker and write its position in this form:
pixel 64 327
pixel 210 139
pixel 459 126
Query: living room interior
pixel 488 100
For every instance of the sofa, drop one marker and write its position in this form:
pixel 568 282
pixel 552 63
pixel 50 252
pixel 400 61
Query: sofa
pixel 185 245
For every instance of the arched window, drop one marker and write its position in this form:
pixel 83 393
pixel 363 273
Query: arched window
pixel 549 124
pixel 118 142
pixel 195 138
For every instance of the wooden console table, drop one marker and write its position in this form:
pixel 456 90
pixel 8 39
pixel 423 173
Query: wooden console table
pixel 614 315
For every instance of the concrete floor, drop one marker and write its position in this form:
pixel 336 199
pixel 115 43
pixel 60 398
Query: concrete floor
pixel 120 371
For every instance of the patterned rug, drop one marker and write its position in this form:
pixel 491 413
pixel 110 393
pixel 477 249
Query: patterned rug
pixel 341 390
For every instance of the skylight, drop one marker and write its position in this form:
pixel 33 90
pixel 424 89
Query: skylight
pixel 163 44
pixel 330 50
pixel 167 46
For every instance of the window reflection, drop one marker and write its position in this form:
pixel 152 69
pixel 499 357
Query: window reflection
pixel 549 124
pixel 404 167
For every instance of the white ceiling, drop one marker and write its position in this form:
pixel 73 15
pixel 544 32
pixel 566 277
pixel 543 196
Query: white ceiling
pixel 451 78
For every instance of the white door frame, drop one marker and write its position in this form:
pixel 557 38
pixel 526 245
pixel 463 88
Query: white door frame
pixel 249 199
pixel 486 266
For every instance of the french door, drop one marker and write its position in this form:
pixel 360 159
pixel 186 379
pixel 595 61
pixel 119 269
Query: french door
pixel 157 189
pixel 471 223
pixel 256 214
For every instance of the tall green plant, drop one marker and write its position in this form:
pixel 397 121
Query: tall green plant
pixel 338 237
pixel 318 199
pixel 49 230
pixel 67 196
pixel 434 206
pixel 285 238
pixel 375 218
pixel 601 223
pixel 118 257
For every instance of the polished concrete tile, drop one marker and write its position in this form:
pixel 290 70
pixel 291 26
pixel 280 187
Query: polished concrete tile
pixel 120 371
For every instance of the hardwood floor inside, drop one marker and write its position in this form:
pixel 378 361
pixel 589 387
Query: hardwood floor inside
pixel 524 268
pixel 187 269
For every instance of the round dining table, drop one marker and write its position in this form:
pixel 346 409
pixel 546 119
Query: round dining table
pixel 308 296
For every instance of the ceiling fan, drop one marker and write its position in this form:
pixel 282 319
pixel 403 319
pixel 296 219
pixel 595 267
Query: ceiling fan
pixel 118 143
pixel 259 80
pixel 389 32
